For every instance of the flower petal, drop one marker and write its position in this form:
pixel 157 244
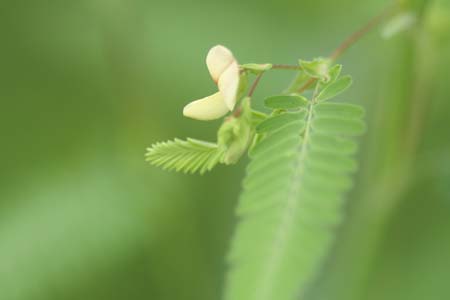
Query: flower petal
pixel 209 108
pixel 218 60
pixel 229 84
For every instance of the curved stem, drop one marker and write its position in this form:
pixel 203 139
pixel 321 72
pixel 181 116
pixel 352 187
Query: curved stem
pixel 357 35
pixel 238 111
pixel 341 49
pixel 353 39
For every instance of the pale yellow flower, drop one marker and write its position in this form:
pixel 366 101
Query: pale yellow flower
pixel 224 70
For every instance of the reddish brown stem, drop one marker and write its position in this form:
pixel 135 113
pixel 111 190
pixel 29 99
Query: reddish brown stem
pixel 352 39
pixel 255 84
pixel 357 35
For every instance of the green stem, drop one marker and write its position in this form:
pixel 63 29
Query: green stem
pixel 287 67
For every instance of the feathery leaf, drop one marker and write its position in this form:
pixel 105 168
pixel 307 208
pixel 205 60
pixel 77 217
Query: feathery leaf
pixel 188 156
pixel 293 192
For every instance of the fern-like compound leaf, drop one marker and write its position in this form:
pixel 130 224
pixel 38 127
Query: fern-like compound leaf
pixel 293 193
pixel 188 156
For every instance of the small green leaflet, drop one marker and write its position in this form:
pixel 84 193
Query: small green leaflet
pixel 257 68
pixel 341 110
pixel 334 73
pixel 338 126
pixel 285 102
pixel 335 88
pixel 339 118
pixel 274 122
pixel 318 68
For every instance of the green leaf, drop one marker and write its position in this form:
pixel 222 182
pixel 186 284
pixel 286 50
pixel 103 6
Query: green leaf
pixel 258 117
pixel 340 145
pixel 276 122
pixel 318 68
pixel 188 156
pixel 292 201
pixel 338 126
pixel 285 102
pixel 334 72
pixel 273 142
pixel 339 110
pixel 257 68
pixel 335 88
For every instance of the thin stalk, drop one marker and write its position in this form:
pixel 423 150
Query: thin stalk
pixel 255 85
pixel 286 67
pixel 353 39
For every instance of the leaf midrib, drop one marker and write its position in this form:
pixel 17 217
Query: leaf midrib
pixel 285 228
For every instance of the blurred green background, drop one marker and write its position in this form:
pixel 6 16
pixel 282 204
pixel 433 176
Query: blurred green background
pixel 86 86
